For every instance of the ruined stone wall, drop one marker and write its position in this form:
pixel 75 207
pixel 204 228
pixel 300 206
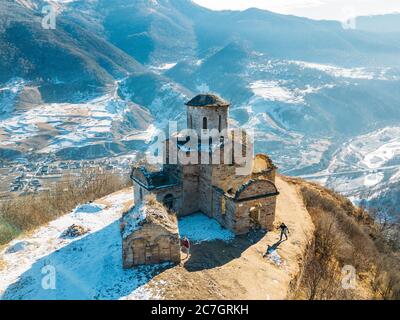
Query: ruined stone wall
pixel 175 191
pixel 225 177
pixel 267 216
pixel 152 244
pixel 254 213
pixel 174 170
pixel 223 209
pixel 268 175
pixel 258 200
pixel 190 189
pixel 257 188
pixel 254 207
pixel 136 192
pixel 241 217
pixel 204 194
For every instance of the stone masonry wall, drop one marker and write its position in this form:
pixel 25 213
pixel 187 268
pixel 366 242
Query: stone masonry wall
pixel 225 217
pixel 261 210
pixel 196 114
pixel 152 244
pixel 175 191
pixel 136 192
pixel 225 177
pixel 190 193
pixel 204 195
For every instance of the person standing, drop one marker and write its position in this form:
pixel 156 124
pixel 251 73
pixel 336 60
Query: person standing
pixel 284 231
pixel 186 246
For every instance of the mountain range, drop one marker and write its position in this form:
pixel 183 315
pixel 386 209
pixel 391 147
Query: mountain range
pixel 323 100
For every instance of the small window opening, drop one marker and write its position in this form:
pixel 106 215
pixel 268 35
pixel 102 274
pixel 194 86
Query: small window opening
pixel 204 123
pixel 223 206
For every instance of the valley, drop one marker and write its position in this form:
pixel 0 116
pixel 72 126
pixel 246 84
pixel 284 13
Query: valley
pixel 323 106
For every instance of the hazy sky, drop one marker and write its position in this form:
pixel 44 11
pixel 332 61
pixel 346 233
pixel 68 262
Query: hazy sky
pixel 316 9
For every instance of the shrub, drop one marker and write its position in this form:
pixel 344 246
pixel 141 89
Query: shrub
pixel 30 211
pixel 345 234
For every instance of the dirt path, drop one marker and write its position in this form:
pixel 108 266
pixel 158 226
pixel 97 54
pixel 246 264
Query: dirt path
pixel 237 270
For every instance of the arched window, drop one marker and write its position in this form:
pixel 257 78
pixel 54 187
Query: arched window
pixel 223 205
pixel 190 122
pixel 141 194
pixel 219 123
pixel 168 201
pixel 204 123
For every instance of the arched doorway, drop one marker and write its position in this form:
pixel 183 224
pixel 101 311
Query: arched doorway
pixel 168 201
pixel 255 215
pixel 138 251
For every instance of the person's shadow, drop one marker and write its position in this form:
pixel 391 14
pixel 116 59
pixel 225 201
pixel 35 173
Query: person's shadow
pixel 211 254
pixel 272 248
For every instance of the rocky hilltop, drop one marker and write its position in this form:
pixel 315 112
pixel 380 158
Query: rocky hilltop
pixel 327 233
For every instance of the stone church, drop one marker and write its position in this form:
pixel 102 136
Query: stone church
pixel 238 202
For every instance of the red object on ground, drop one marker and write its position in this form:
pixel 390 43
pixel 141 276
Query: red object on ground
pixel 185 243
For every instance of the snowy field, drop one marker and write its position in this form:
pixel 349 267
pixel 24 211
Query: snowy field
pixel 364 166
pixel 90 266
pixel 76 123
pixel 198 227
pixel 276 91
pixel 65 125
pixel 349 73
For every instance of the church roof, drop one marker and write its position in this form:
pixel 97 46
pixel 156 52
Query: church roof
pixel 207 100
pixel 152 180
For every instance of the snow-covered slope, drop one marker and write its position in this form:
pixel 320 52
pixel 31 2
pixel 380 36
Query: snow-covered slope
pixel 367 168
pixel 56 126
pixel 89 266
pixel 8 94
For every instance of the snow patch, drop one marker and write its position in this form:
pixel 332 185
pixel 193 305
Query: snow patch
pixel 17 247
pixel 274 257
pixel 373 179
pixel 198 228
pixel 349 73
pixel 8 94
pixel 133 219
pixel 275 91
pixel 203 87
pixel 89 208
pixel 163 67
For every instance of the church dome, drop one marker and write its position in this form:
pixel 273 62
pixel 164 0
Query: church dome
pixel 207 100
